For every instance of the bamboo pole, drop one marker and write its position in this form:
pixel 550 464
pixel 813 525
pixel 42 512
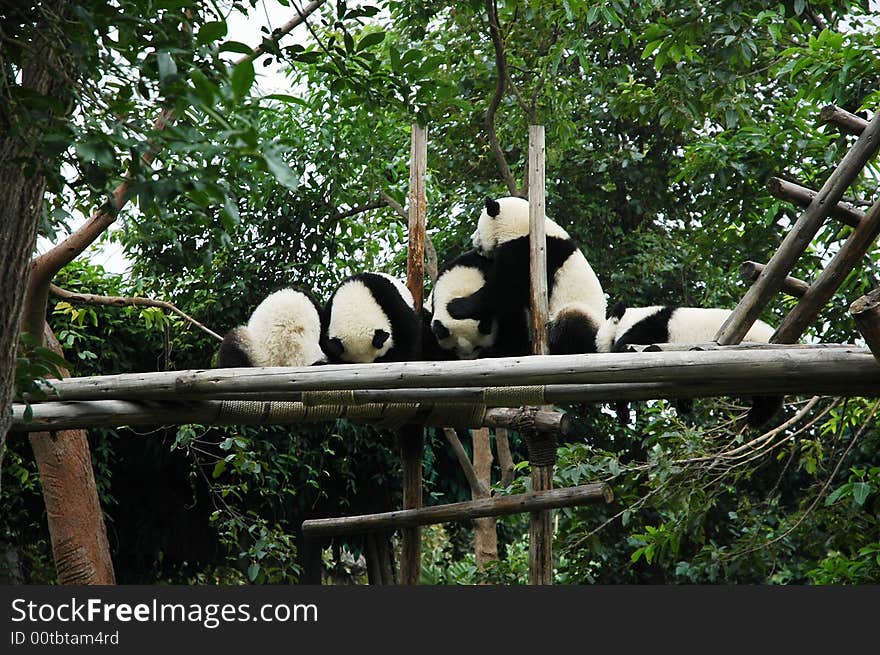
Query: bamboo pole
pixel 465 511
pixel 800 236
pixel 519 374
pixel 412 437
pixel 866 313
pixel 842 119
pixel 750 271
pixel 803 196
pixel 829 280
pixel 542 447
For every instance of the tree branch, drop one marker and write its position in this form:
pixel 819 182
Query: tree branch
pixel 505 459
pixel 122 301
pixel 46 266
pixel 500 88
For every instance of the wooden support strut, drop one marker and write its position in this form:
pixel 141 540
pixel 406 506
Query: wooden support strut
pixel 866 312
pixel 800 236
pixel 842 119
pixel 803 196
pixel 750 271
pixel 495 506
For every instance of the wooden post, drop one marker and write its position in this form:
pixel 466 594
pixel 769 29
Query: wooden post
pixel 800 236
pixel 829 280
pixel 866 312
pixel 542 447
pixel 412 437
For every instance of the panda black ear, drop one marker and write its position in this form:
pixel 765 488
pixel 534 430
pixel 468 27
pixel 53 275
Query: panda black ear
pixel 440 331
pixel 379 338
pixel 492 207
pixel 618 310
pixel 333 347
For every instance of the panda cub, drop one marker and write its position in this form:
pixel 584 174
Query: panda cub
pixel 575 297
pixel 669 324
pixel 462 321
pixel 283 330
pixel 370 318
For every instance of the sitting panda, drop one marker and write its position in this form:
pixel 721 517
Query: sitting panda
pixel 669 324
pixel 370 318
pixel 575 297
pixel 461 318
pixel 283 330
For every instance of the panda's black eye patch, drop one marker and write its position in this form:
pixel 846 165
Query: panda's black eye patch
pixel 379 338
pixel 485 326
pixel 440 331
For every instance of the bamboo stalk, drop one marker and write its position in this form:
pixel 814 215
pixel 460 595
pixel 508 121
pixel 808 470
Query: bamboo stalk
pixel 676 366
pixel 496 506
pixel 803 196
pixel 750 271
pixel 842 119
pixel 829 280
pixel 866 312
pixel 800 236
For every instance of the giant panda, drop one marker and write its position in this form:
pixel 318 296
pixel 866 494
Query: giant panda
pixel 283 330
pixel 670 324
pixel 462 321
pixel 576 301
pixel 370 318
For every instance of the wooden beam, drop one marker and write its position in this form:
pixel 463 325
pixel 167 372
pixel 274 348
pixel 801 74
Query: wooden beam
pixel 800 236
pixel 842 119
pixel 863 380
pixel 866 313
pixel 803 196
pixel 465 511
pixel 750 271
pixel 829 280
pixel 511 372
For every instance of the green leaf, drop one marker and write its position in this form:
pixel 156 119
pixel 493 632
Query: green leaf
pixel 371 39
pixel 253 571
pixel 211 31
pixel 236 46
pixel 229 214
pixel 861 491
pixel 242 79
pixel 281 170
pixel 167 67
pixel 219 467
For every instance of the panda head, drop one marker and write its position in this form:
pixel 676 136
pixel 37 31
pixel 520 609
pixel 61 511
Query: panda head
pixel 506 219
pixel 358 327
pixel 468 339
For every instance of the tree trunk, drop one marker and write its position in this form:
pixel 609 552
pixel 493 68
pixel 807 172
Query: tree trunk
pixel 485 533
pixel 73 509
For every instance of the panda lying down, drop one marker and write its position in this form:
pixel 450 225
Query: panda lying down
pixel 669 324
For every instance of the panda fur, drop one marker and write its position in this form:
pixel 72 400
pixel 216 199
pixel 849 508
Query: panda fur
pixel 576 301
pixel 462 320
pixel 370 318
pixel 670 324
pixel 283 330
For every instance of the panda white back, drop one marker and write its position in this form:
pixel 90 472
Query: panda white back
pixel 701 324
pixel 466 337
pixel 283 330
